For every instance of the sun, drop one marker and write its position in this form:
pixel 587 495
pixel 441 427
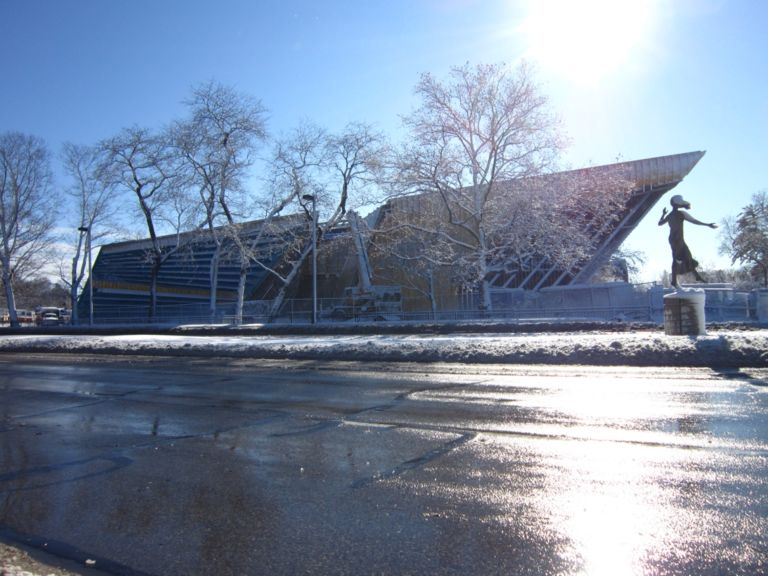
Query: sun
pixel 586 40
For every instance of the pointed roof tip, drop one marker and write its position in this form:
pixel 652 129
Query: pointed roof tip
pixel 682 157
pixel 665 169
pixel 680 160
pixel 653 171
pixel 699 155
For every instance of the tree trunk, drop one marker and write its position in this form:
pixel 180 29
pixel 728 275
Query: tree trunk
pixel 9 297
pixel 277 303
pixel 213 274
pixel 73 293
pixel 241 287
pixel 485 287
pixel 432 295
pixel 485 295
pixel 240 295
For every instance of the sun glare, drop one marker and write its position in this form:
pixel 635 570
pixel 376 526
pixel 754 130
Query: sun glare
pixel 585 40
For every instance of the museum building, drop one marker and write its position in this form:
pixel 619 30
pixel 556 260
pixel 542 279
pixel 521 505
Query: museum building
pixel 347 264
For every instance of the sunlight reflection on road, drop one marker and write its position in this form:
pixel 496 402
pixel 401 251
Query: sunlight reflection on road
pixel 610 507
pixel 617 488
pixel 617 494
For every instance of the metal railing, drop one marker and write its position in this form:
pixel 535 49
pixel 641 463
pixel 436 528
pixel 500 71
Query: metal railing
pixel 636 304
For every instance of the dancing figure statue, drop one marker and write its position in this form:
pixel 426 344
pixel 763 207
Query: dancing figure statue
pixel 682 260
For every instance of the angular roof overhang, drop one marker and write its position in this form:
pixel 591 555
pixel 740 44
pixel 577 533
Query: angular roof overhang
pixel 649 179
pixel 653 177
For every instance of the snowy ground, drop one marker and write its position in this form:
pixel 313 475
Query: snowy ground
pixel 721 348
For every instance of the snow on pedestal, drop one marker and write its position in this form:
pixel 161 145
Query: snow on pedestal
pixel 684 312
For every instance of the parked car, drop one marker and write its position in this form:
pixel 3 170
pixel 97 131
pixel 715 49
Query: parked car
pixel 50 316
pixel 23 316
pixel 50 319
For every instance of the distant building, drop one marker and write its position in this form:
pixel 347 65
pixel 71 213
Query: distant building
pixel 121 272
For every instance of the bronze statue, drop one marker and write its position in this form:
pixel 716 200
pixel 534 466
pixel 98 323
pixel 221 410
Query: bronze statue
pixel 682 260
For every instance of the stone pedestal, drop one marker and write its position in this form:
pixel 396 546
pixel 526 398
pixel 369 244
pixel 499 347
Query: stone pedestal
pixel 684 313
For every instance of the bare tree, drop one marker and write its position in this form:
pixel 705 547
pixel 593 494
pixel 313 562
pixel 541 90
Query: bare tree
pixel 27 209
pixel 143 165
pixel 356 158
pixel 93 191
pixel 295 181
pixel 624 266
pixel 487 125
pixel 323 174
pixel 556 220
pixel 218 142
pixel 482 153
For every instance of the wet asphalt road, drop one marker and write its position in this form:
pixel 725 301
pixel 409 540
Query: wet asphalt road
pixel 183 466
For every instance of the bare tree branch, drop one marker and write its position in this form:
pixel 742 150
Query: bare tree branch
pixel 27 209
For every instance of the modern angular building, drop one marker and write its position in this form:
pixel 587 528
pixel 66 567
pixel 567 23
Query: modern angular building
pixel 121 272
pixel 633 188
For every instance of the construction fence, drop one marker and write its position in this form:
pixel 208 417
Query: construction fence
pixel 614 302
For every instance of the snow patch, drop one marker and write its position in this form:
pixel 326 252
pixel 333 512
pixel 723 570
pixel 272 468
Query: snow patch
pixel 725 348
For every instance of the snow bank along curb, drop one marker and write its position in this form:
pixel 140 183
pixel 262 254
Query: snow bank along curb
pixel 649 348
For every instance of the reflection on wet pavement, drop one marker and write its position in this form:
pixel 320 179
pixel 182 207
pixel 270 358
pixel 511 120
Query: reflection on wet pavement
pixel 266 468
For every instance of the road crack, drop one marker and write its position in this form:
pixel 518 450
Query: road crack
pixel 414 463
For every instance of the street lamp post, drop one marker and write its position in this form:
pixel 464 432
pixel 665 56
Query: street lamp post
pixel 87 230
pixel 311 198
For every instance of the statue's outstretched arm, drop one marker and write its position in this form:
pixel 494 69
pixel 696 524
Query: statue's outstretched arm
pixel 693 220
pixel 664 217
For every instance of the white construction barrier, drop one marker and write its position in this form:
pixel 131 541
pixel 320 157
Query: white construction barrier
pixel 761 304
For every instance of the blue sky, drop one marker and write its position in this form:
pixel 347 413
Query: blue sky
pixel 631 79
